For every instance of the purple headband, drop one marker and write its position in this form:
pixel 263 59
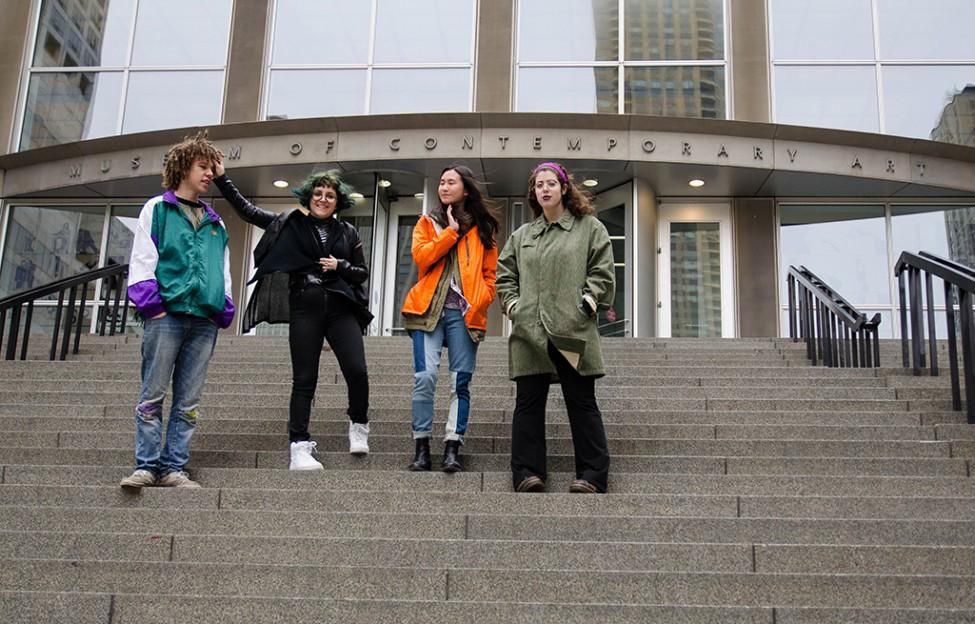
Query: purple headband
pixel 554 166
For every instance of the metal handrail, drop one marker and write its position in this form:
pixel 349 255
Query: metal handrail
pixel 115 276
pixel 834 330
pixel 959 284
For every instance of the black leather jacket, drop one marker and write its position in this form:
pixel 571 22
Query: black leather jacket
pixel 269 301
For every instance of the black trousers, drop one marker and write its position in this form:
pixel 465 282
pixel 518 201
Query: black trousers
pixel 316 316
pixel 585 420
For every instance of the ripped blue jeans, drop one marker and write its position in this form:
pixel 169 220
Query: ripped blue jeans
pixel 176 348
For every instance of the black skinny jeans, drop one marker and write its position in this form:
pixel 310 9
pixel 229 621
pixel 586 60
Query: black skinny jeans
pixel 316 316
pixel 528 448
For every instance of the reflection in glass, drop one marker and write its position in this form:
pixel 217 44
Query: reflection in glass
pixel 121 233
pixel 695 280
pixel 86 33
pixel 613 322
pixel 421 90
pixel 182 32
pixel 663 30
pixel 929 101
pixel 316 93
pixel 47 244
pixel 926 30
pixel 568 89
pixel 424 31
pixel 822 29
pixel 831 97
pixel 150 105
pixel 405 275
pixel 845 245
pixel 66 107
pixel 568 30
pixel 676 91
pixel 340 34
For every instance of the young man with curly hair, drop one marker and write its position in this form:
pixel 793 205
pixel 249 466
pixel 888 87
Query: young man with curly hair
pixel 179 281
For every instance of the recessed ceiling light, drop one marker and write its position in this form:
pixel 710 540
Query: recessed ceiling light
pixel 696 183
pixel 590 182
pixel 355 195
pixel 418 195
pixel 385 183
pixel 280 183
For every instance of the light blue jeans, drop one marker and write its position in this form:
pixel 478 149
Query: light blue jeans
pixel 461 357
pixel 177 348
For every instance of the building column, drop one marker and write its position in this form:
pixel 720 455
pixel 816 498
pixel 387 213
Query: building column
pixel 15 32
pixel 493 66
pixel 750 61
pixel 756 267
pixel 245 62
pixel 643 233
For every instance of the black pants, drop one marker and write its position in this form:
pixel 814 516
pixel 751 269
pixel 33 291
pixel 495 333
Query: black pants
pixel 586 422
pixel 316 316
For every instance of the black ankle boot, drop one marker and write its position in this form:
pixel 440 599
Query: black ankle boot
pixel 421 460
pixel 451 457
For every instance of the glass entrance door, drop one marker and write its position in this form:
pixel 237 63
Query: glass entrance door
pixel 400 269
pixel 695 271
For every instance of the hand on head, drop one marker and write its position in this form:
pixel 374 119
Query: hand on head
pixel 218 169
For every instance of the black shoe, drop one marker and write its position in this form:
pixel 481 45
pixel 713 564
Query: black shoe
pixel 531 484
pixel 421 460
pixel 451 457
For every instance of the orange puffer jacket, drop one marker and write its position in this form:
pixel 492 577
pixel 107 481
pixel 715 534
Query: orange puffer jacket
pixel 478 270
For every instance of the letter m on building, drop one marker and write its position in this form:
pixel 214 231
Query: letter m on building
pixel 575 143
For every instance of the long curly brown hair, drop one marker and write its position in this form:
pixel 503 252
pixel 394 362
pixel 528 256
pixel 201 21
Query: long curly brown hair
pixel 575 200
pixel 181 157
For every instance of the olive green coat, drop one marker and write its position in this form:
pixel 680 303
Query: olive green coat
pixel 552 279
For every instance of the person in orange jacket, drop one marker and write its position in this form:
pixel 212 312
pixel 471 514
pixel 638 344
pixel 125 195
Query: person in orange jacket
pixel 457 259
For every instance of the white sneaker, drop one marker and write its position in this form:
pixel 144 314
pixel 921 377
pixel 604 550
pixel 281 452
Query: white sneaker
pixel 177 479
pixel 139 479
pixel 358 438
pixel 301 458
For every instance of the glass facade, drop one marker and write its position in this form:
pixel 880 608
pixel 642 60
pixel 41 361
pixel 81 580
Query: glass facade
pixel 377 57
pixel 854 247
pixel 100 68
pixel 669 59
pixel 892 66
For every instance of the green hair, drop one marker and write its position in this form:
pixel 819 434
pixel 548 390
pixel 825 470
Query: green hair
pixel 325 178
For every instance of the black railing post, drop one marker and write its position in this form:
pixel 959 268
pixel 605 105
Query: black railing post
pixel 57 326
pixel 917 357
pixel 81 319
pixel 27 320
pixel 952 347
pixel 118 298
pixel 965 312
pixel 932 330
pixel 905 350
pixel 68 322
pixel 12 336
pixel 791 282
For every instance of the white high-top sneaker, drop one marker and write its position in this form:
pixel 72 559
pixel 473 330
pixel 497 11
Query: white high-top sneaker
pixel 301 458
pixel 358 438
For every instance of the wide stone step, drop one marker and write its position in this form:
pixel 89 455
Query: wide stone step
pixel 676 588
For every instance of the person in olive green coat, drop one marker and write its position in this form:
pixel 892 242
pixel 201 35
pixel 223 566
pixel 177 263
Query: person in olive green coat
pixel 554 274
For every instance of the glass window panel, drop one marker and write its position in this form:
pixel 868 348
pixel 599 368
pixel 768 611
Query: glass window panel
pixel 568 89
pixel 663 30
pixel 153 100
pixel 568 30
pixel 930 102
pixel 695 280
pixel 947 231
pixel 182 32
pixel 930 30
pixel 827 96
pixel 316 93
pixel 822 29
pixel 613 322
pixel 96 34
pixel 47 244
pixel 346 36
pixel 846 246
pixel 406 272
pixel 420 90
pixel 65 107
pixel 121 233
pixel 676 91
pixel 424 31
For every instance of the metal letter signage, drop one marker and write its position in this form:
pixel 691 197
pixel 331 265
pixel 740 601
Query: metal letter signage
pixel 468 142
pixel 329 145
pixel 537 143
pixel 890 166
pixel 394 144
pixel 792 153
pixel 856 163
pixel 430 143
pixel 295 149
pixel 233 153
pixel 686 149
pixel 649 146
pixel 74 171
pixel 106 166
pixel 610 144
pixel 758 153
pixel 136 162
pixel 574 143
pixel 504 140
pixel 921 166
pixel 723 152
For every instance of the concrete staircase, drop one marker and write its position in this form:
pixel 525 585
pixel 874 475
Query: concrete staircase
pixel 746 486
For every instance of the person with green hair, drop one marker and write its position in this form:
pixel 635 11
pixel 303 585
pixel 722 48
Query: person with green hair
pixel 311 273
